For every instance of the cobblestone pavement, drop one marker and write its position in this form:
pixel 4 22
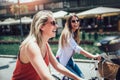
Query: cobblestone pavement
pixel 7 66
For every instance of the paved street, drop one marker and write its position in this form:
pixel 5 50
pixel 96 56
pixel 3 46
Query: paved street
pixel 7 66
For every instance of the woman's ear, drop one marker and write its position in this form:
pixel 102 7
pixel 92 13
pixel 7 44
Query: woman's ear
pixel 42 28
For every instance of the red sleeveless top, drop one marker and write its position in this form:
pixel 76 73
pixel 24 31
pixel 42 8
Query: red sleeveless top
pixel 26 71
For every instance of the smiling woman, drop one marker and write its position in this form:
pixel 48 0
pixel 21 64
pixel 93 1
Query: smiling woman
pixel 21 1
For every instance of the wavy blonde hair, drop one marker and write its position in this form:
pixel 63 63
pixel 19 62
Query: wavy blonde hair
pixel 35 33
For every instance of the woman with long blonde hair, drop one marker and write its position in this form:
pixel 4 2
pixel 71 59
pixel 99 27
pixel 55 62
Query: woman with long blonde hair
pixel 35 54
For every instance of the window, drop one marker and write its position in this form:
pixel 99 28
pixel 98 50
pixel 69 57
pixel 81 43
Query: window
pixel 54 5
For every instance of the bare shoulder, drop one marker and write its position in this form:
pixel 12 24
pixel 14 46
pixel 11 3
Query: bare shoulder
pixel 28 50
pixel 32 48
pixel 32 45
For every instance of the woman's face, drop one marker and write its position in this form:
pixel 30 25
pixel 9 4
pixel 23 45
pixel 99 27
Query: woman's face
pixel 75 23
pixel 50 28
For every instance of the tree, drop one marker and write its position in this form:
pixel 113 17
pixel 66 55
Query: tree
pixel 15 9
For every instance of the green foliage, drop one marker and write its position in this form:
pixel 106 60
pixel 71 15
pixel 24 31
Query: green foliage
pixel 10 38
pixel 12 49
pixel 54 48
pixel 9 49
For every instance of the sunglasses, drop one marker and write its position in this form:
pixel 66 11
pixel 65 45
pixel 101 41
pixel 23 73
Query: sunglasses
pixel 54 23
pixel 74 21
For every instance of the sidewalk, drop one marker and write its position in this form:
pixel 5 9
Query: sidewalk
pixel 7 66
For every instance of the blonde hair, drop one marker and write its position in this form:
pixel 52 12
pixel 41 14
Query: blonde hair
pixel 35 33
pixel 67 32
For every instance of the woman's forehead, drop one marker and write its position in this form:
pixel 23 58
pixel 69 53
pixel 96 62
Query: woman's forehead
pixel 74 17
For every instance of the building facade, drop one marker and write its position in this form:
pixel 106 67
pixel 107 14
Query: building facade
pixel 54 5
pixel 18 10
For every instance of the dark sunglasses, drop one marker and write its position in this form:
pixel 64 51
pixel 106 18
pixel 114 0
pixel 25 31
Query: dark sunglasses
pixel 73 21
pixel 53 23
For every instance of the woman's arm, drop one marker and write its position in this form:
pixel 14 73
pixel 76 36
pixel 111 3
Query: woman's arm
pixel 89 55
pixel 60 67
pixel 80 50
pixel 35 58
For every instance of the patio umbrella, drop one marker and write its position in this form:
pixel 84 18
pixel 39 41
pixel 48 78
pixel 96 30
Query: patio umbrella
pixel 102 11
pixel 8 21
pixel 60 14
pixel 24 20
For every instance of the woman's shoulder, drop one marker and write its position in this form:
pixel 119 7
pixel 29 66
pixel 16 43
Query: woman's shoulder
pixel 71 37
pixel 31 45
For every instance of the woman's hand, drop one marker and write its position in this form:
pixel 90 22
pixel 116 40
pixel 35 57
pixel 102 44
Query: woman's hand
pixel 97 57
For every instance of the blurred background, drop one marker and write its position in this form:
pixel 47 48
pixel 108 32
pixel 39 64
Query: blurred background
pixel 99 19
pixel 99 23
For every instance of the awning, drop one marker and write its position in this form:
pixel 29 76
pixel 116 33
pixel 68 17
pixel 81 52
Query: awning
pixel 60 14
pixel 8 21
pixel 103 11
